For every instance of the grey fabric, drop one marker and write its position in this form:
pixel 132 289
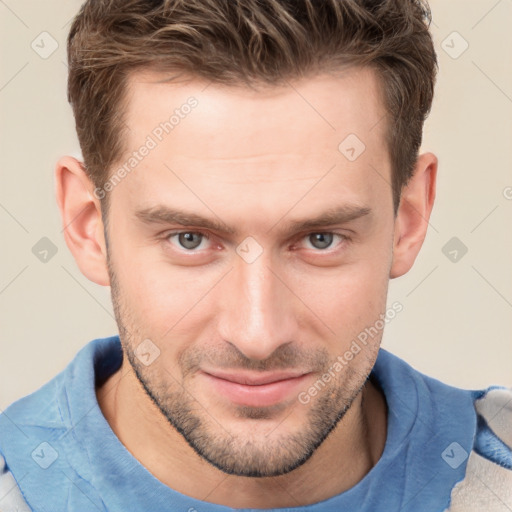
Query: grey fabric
pixel 11 499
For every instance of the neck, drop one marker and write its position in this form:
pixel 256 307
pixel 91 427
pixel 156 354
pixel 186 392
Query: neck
pixel 341 461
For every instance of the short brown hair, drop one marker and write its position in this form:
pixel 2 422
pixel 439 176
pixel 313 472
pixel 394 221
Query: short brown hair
pixel 241 42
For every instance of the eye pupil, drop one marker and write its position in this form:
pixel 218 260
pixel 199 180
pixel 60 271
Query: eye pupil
pixel 321 240
pixel 187 240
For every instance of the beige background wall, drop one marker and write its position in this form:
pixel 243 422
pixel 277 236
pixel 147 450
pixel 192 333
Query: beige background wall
pixel 457 319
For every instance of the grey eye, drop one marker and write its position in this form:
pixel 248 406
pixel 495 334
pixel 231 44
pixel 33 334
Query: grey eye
pixel 321 240
pixel 190 240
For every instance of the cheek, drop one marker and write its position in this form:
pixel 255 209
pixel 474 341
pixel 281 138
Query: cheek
pixel 346 299
pixel 162 296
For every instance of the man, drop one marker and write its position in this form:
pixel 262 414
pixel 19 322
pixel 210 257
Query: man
pixel 251 182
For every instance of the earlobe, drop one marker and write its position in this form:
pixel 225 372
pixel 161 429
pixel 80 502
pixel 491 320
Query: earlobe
pixel 417 200
pixel 81 219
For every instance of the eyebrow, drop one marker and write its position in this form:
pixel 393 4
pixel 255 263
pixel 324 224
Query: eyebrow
pixel 166 215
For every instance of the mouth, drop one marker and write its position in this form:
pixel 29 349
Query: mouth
pixel 256 389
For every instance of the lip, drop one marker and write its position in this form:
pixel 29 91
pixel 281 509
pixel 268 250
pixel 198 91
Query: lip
pixel 256 390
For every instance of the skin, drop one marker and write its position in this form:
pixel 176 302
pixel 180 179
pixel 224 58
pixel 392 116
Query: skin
pixel 256 161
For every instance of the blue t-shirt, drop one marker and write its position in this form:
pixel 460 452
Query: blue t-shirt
pixel 62 456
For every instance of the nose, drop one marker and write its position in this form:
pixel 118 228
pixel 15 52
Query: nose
pixel 257 311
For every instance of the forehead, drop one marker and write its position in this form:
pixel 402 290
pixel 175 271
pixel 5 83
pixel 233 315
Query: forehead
pixel 309 109
pixel 222 136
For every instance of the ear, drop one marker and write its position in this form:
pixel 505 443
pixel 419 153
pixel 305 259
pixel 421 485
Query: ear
pixel 81 218
pixel 411 223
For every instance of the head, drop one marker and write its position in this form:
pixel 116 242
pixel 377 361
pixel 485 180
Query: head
pixel 251 181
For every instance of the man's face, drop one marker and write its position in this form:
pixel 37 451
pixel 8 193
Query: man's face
pixel 247 314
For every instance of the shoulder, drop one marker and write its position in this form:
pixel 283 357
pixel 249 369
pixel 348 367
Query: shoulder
pixel 472 428
pixel 11 499
pixel 45 416
pixel 487 484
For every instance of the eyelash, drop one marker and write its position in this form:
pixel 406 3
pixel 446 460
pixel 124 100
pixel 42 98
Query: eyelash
pixel 343 238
